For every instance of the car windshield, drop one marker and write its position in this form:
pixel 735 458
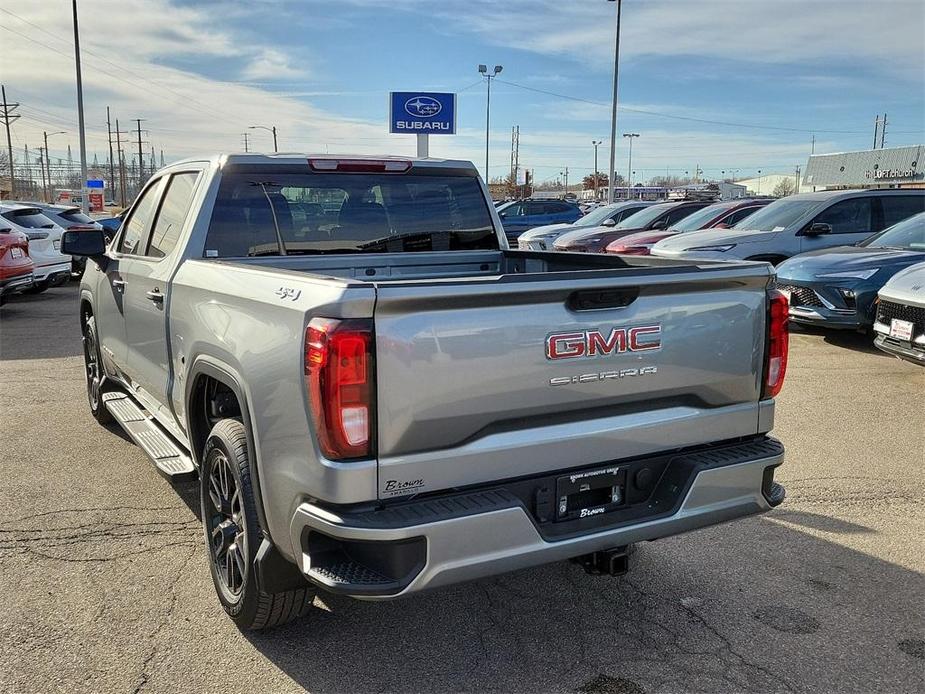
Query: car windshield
pixel 75 217
pixel 596 216
pixel 695 221
pixel 908 234
pixel 644 217
pixel 777 216
pixel 286 210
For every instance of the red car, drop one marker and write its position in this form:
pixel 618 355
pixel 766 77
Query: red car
pixel 721 215
pixel 15 263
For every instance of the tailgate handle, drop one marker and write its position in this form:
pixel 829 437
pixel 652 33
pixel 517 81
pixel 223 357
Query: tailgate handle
pixel 598 299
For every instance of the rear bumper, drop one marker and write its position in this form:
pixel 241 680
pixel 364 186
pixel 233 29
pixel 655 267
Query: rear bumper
pixel 444 540
pixel 11 285
pixel 56 273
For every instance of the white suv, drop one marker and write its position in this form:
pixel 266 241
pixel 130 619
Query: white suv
pixel 52 267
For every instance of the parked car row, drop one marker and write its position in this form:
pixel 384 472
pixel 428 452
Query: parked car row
pixel 31 260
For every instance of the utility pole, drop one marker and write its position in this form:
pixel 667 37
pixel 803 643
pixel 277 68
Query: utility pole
pixel 629 166
pixel 162 159
pixel 121 165
pixel 84 201
pixel 595 143
pixel 564 175
pixel 876 130
pixel 796 182
pixel 8 118
pixel 245 142
pixel 613 109
pixel 112 165
pixel 153 161
pixel 141 156
pixel 42 168
pixel 883 131
pixel 48 161
pixel 813 149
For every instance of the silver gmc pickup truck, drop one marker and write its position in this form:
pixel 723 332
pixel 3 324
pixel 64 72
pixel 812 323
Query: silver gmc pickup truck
pixel 378 396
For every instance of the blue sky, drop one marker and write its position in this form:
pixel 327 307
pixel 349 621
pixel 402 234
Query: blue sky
pixel 201 72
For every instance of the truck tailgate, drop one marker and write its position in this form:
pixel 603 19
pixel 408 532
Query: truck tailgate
pixel 486 379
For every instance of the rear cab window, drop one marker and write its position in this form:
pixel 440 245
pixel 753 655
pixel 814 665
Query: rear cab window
pixel 292 210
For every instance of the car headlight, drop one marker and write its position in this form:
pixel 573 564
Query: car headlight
pixel 852 274
pixel 722 248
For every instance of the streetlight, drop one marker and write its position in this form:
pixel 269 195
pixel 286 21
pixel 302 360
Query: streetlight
pixel 271 130
pixel 595 143
pixel 629 166
pixel 613 108
pixel 82 136
pixel 48 161
pixel 484 70
pixel 759 181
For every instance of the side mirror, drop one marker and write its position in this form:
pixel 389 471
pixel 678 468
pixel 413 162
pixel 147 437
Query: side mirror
pixel 660 224
pixel 609 223
pixel 817 229
pixel 88 244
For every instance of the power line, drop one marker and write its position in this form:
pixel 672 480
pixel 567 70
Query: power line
pixel 9 117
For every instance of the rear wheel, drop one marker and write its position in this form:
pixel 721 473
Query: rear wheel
pixel 93 371
pixel 233 535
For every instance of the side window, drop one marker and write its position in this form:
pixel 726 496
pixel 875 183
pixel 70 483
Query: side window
pixel 172 214
pixel 512 211
pixel 898 207
pixel 139 223
pixel 738 215
pixel 680 213
pixel 849 216
pixel 534 208
pixel 623 214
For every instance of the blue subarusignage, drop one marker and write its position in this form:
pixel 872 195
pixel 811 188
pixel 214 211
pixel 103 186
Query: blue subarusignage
pixel 430 113
pixel 95 183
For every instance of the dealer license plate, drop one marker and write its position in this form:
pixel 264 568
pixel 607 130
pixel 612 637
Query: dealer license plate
pixel 901 329
pixel 16 253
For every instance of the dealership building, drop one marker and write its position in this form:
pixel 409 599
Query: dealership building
pixel 893 167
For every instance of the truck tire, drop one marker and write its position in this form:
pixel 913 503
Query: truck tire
pixel 233 534
pixel 93 371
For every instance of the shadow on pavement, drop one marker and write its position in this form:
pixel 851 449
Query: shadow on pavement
pixel 847 339
pixel 41 326
pixel 706 612
pixel 817 521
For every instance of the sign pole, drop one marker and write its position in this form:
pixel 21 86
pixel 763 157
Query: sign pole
pixel 423 145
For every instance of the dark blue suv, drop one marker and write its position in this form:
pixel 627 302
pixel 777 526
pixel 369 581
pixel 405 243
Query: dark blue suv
pixel 518 216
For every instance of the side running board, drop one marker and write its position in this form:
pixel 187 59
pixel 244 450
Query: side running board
pixel 174 464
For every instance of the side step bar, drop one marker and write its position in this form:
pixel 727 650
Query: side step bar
pixel 174 464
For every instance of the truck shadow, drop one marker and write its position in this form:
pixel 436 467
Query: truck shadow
pixel 847 339
pixel 784 611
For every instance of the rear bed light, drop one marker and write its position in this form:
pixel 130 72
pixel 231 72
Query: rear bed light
pixel 360 165
pixel 338 375
pixel 775 366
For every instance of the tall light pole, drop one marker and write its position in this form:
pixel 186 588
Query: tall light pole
pixel 84 203
pixel 629 166
pixel 613 110
pixel 48 161
pixel 759 181
pixel 484 70
pixel 270 129
pixel 595 143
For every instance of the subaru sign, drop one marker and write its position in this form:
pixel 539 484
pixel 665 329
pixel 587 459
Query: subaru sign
pixel 422 113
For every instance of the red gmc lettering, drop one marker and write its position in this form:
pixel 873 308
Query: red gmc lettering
pixel 593 343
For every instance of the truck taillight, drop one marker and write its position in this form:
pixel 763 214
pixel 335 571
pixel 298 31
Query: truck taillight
pixel 775 365
pixel 338 375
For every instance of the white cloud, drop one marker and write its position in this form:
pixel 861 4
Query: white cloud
pixel 271 64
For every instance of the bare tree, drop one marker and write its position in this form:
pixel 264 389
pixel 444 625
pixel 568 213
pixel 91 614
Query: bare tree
pixel 784 188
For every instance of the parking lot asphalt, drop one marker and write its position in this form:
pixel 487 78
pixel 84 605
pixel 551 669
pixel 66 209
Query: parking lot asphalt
pixel 106 585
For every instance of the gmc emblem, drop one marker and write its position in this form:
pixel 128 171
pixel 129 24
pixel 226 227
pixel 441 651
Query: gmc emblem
pixel 593 343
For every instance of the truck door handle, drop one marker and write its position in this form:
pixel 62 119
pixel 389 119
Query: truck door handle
pixel 119 285
pixel 155 296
